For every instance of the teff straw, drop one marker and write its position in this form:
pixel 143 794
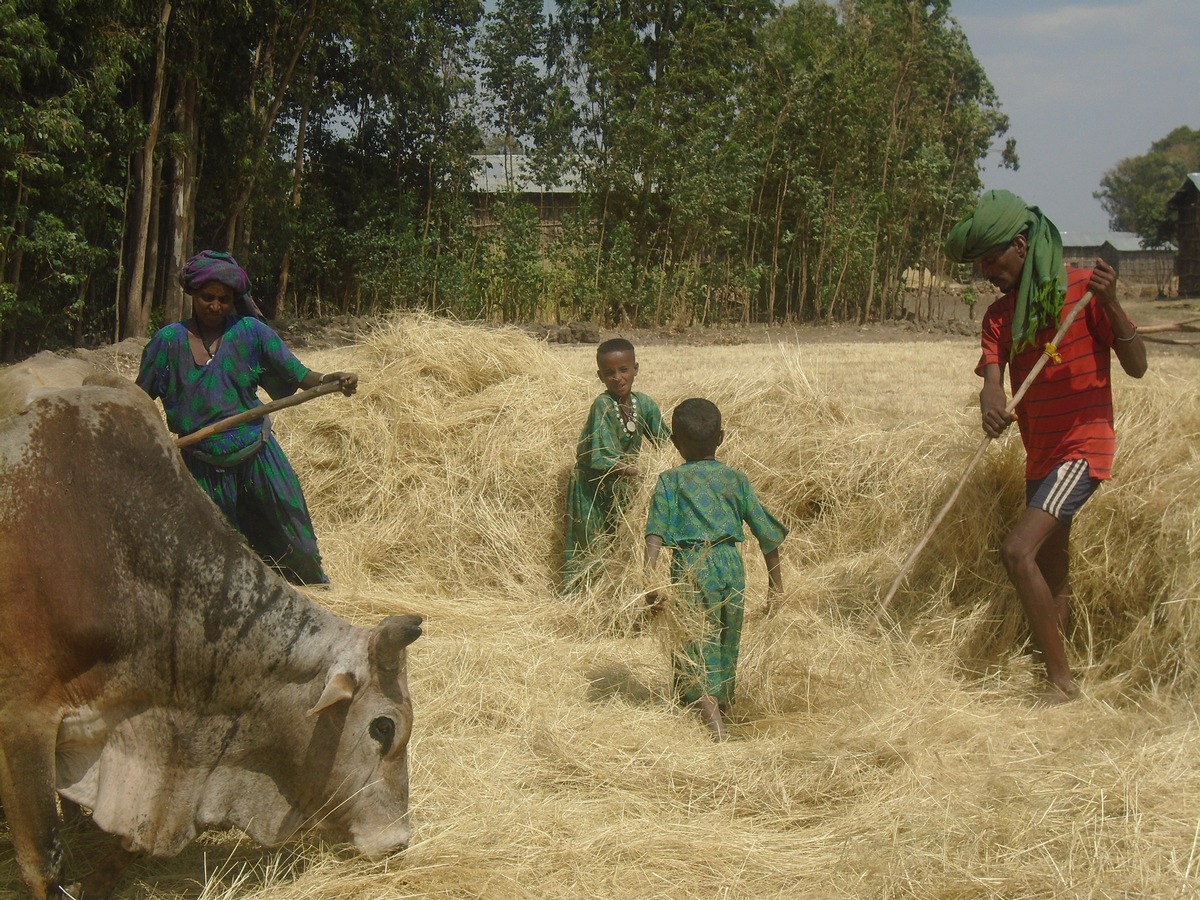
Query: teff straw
pixel 1047 352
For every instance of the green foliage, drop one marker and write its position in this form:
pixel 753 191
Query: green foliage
pixel 62 131
pixel 512 51
pixel 1135 191
pixel 509 276
pixel 737 161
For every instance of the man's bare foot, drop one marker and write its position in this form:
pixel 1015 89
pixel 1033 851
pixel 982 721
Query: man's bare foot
pixel 1056 695
pixel 710 714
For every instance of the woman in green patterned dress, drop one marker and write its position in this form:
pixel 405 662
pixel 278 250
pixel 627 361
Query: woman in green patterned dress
pixel 697 510
pixel 210 368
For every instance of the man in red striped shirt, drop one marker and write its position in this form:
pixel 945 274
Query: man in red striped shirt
pixel 1066 417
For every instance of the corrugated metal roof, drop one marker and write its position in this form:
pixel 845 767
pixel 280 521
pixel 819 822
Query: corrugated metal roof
pixel 1124 241
pixel 499 174
pixel 1085 238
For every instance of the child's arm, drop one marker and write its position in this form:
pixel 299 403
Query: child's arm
pixel 774 576
pixel 654 544
pixel 774 580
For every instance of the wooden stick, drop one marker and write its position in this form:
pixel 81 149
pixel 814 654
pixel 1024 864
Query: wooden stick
pixel 1012 405
pixel 258 412
pixel 1185 325
pixel 1154 338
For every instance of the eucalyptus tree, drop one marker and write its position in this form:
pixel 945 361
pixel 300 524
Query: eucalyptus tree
pixel 512 57
pixel 656 83
pixel 389 145
pixel 871 119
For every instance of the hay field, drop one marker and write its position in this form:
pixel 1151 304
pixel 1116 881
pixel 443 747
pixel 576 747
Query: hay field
pixel 547 760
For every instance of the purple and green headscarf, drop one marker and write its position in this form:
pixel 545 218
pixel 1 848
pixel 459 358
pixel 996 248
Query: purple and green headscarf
pixel 213 265
pixel 998 218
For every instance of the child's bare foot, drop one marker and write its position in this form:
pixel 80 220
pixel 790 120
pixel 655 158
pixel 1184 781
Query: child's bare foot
pixel 1056 695
pixel 710 714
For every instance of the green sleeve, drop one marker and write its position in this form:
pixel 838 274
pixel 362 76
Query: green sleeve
pixel 768 530
pixel 656 427
pixel 599 446
pixel 658 521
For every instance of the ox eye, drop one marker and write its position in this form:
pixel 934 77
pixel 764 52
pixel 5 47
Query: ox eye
pixel 383 730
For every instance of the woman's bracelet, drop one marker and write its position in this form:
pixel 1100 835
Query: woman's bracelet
pixel 1128 339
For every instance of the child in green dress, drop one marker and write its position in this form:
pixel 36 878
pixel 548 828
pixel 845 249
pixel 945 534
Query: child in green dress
pixel 697 510
pixel 605 457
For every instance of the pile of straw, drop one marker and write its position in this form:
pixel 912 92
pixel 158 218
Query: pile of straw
pixel 548 760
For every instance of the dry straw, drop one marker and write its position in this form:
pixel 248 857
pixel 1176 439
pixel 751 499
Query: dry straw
pixel 547 758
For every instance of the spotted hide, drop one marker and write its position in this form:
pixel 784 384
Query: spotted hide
pixel 152 669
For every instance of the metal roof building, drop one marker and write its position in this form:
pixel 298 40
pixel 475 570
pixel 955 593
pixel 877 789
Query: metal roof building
pixel 1187 209
pixel 1124 252
pixel 499 174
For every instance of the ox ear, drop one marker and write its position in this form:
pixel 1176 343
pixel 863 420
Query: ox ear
pixel 390 637
pixel 339 687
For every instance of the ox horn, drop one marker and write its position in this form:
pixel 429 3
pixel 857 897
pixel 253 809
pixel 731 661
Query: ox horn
pixel 339 687
pixel 390 637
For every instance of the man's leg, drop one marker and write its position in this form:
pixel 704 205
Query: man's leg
pixel 1023 559
pixel 1054 560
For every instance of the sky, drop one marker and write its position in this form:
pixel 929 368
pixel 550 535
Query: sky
pixel 1085 85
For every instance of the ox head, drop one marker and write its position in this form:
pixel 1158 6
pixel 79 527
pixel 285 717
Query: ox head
pixel 371 714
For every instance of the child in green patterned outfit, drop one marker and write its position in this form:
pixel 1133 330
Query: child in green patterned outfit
pixel 697 510
pixel 605 457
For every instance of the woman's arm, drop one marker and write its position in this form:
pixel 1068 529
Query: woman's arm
pixel 348 380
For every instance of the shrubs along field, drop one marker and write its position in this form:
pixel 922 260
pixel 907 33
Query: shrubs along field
pixel 906 761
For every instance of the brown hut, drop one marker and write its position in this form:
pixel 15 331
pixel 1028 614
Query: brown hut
pixel 1123 251
pixel 512 176
pixel 1187 209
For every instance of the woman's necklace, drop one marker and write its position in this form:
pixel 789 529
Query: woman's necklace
pixel 628 418
pixel 209 346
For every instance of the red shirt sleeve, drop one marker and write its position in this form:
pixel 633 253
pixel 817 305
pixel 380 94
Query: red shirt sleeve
pixel 996 334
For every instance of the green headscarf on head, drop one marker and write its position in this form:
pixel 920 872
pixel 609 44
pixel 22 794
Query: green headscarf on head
pixel 998 218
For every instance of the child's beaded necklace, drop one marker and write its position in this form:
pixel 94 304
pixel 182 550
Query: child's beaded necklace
pixel 630 420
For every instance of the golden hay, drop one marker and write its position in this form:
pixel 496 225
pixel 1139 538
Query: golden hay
pixel 547 758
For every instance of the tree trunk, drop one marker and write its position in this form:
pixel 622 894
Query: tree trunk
pixel 81 305
pixel 13 273
pixel 152 275
pixel 136 316
pixel 182 187
pixel 285 267
pixel 266 121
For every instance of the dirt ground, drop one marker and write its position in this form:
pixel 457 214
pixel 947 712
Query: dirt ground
pixel 952 320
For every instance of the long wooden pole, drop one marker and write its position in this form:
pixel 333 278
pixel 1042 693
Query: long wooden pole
pixel 1012 405
pixel 1185 325
pixel 258 412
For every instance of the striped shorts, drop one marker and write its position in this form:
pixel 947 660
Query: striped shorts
pixel 1064 491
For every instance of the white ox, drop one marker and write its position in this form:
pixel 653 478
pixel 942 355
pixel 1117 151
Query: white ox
pixel 152 668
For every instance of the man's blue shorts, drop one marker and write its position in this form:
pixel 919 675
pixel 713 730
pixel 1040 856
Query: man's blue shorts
pixel 1064 491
